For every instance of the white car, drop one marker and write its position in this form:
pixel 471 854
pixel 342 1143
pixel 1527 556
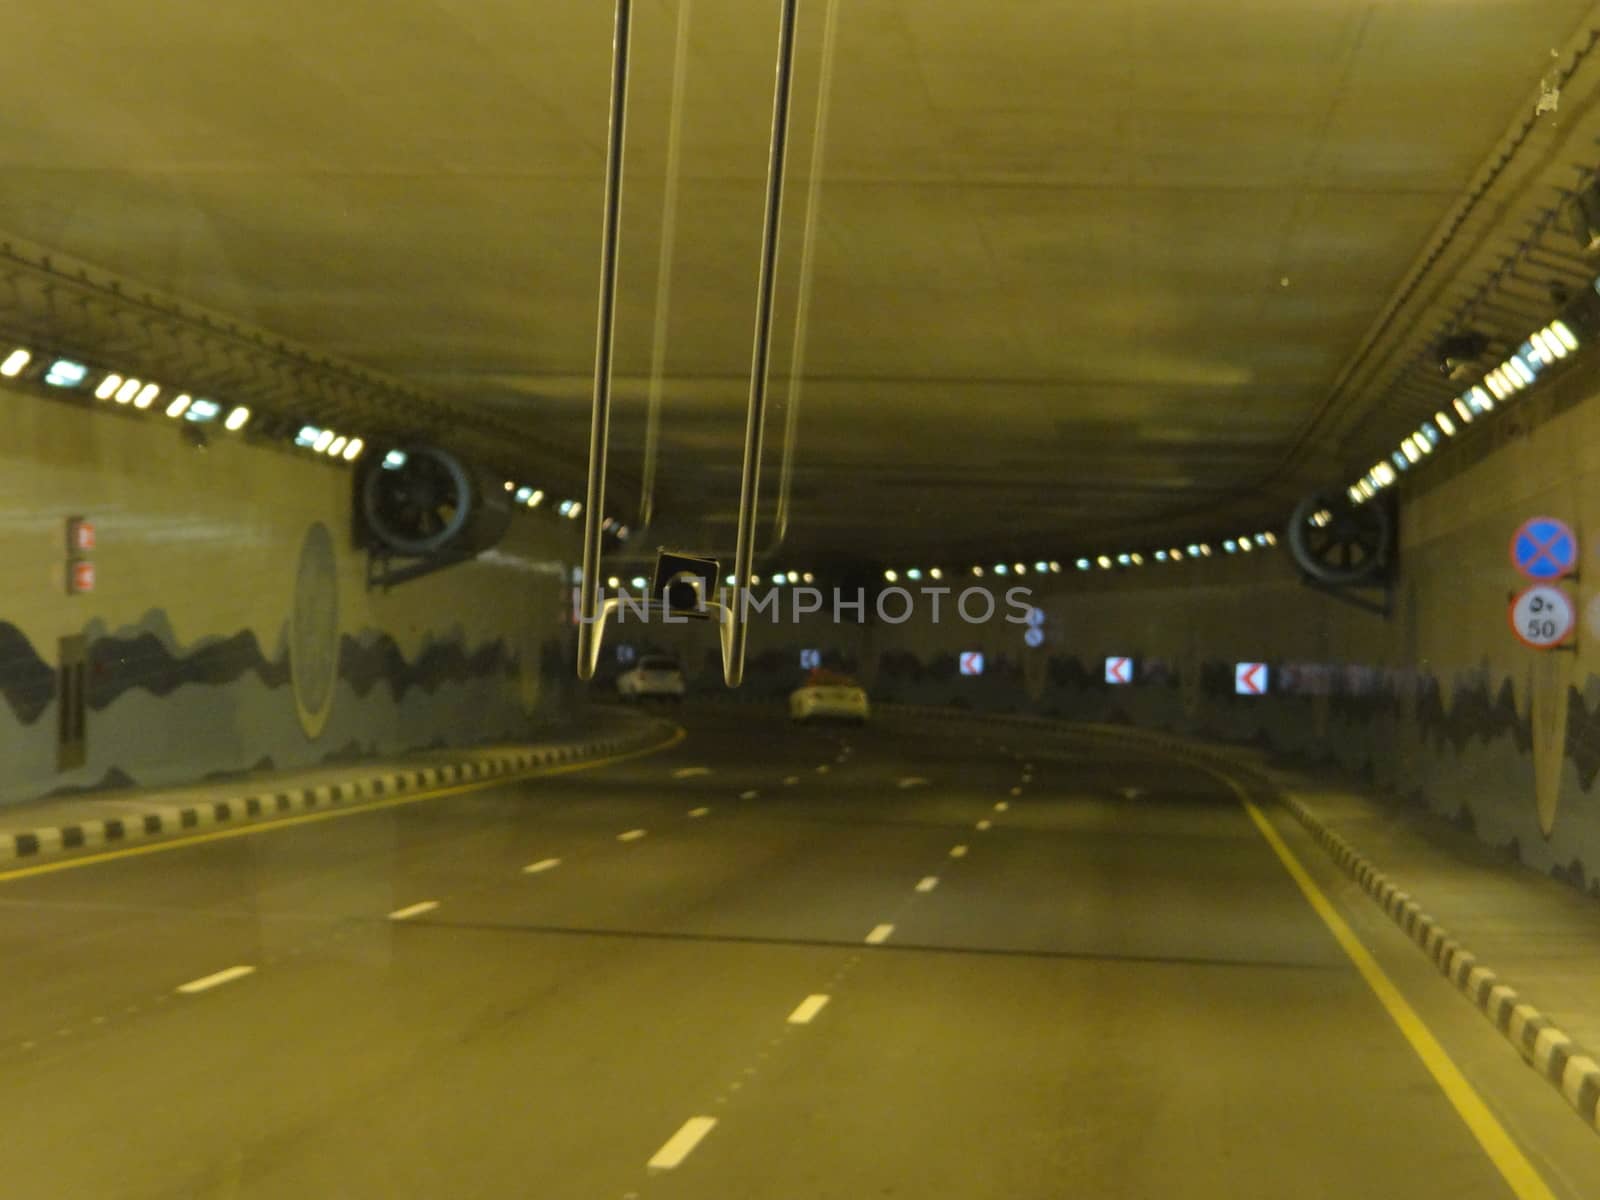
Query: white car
pixel 655 678
pixel 829 697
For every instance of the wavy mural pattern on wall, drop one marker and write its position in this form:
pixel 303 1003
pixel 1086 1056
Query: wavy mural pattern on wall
pixel 27 682
pixel 145 658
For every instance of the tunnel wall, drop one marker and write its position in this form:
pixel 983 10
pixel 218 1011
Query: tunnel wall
pixel 230 625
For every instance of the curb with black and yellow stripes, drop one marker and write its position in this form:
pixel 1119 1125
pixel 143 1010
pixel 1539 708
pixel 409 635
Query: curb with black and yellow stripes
pixel 1543 1045
pixel 262 805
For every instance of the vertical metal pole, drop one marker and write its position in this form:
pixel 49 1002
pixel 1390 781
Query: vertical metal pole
pixel 600 420
pixel 808 240
pixel 669 239
pixel 755 421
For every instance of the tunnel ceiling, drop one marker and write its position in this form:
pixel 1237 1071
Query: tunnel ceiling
pixel 1077 272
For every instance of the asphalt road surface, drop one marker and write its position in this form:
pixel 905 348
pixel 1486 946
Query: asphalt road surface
pixel 767 962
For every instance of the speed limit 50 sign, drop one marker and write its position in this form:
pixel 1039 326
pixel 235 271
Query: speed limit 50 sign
pixel 1542 616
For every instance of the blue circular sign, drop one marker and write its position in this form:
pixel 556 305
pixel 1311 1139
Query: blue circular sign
pixel 1544 548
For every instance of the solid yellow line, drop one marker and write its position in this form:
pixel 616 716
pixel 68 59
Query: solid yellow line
pixel 1507 1157
pixel 270 826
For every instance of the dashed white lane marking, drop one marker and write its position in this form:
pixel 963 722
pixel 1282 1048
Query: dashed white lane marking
pixel 681 1144
pixel 910 781
pixel 205 984
pixel 790 780
pixel 808 1009
pixel 413 910
pixel 879 935
pixel 958 851
pixel 1016 791
pixel 698 812
pixel 927 883
pixel 984 824
pixel 1002 806
pixel 823 769
pixel 633 835
pixel 544 864
pixel 690 772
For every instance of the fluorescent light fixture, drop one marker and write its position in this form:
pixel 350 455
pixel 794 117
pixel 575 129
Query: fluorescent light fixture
pixel 64 373
pixel 336 447
pixel 794 576
pixel 1136 559
pixel 1462 410
pixel 564 507
pixel 510 487
pixel 576 511
pixel 622 533
pixel 1497 383
pixel 1001 569
pixel 108 387
pixel 323 441
pixel 1230 545
pixel 201 411
pixel 639 581
pixel 914 573
pixel 394 460
pixel 1175 553
pixel 354 449
pixel 1244 544
pixel 978 571
pixel 179 406
pixel 522 494
pixel 237 419
pixel 613 582
pixel 778 579
pixel 1161 556
pixel 1194 550
pixel 1427 433
pixel 15 361
pixel 1384 474
pixel 536 499
pixel 1020 568
pixel 310 433
pixel 1105 562
pixel 1563 335
pixel 1083 564
pixel 728 580
pixel 1407 454
pixel 147 396
pixel 1041 567
pixel 933 573
pixel 1445 424
pixel 1272 538
pixel 1205 549
pixel 1055 567
pixel 1520 371
pixel 892 576
pixel 810 578
pixel 128 390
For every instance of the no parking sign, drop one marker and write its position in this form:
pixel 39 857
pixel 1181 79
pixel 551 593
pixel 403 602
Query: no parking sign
pixel 1544 548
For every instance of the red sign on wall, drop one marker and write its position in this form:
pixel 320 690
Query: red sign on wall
pixel 80 577
pixel 80 535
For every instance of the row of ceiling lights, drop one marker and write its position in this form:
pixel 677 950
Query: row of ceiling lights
pixel 1240 545
pixel 126 390
pixel 1544 348
pixel 1132 558
pixel 142 395
pixel 777 579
